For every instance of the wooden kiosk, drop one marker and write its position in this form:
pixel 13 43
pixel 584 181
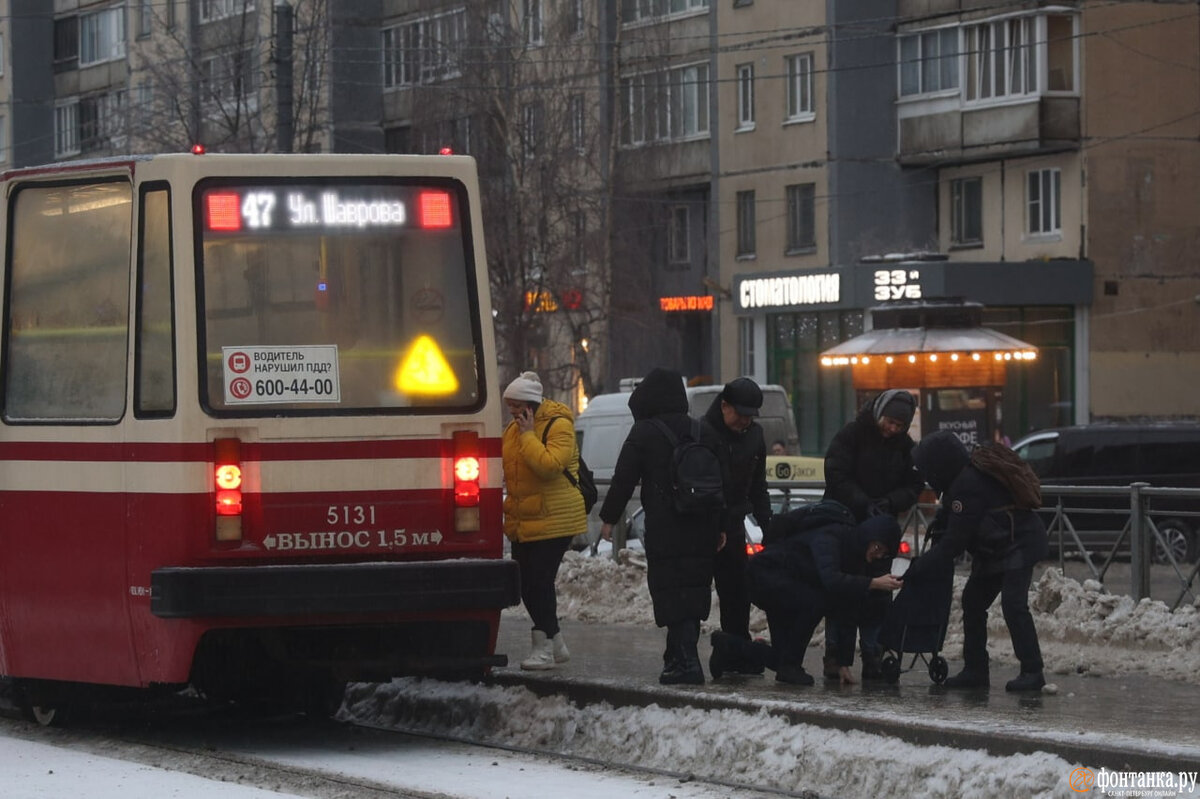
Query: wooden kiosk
pixel 938 350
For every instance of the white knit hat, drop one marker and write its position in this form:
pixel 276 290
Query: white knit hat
pixel 527 387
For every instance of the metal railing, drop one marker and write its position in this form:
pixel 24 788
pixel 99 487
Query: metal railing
pixel 1067 524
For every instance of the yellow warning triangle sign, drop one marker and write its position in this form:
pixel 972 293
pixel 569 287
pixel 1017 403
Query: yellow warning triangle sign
pixel 424 370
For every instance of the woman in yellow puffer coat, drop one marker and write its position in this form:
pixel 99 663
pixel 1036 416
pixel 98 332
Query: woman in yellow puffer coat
pixel 543 509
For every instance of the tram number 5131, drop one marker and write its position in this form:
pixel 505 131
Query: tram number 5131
pixel 350 514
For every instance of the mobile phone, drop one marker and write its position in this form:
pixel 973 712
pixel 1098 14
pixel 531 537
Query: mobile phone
pixel 900 566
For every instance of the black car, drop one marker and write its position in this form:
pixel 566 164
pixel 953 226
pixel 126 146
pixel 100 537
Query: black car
pixel 1163 455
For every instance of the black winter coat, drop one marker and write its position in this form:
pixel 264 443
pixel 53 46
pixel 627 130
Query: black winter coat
pixel 861 467
pixel 975 503
pixel 746 453
pixel 820 547
pixel 679 547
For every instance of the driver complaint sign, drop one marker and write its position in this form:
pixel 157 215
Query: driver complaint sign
pixel 264 375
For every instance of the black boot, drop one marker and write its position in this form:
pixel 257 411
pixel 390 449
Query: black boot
pixel 684 667
pixel 970 677
pixel 793 675
pixel 829 666
pixel 720 656
pixel 1026 681
pixel 872 669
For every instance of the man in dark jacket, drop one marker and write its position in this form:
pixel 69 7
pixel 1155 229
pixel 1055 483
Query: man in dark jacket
pixel 979 516
pixel 869 469
pixel 812 566
pixel 679 546
pixel 731 418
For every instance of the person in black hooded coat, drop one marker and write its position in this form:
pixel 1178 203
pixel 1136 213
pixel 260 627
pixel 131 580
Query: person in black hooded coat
pixel 975 507
pixel 814 564
pixel 731 418
pixel 679 546
pixel 869 469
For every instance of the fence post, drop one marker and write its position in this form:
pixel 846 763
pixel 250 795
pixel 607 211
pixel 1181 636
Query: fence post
pixel 1139 543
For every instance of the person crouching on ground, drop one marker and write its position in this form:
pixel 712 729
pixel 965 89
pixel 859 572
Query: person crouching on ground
pixel 679 546
pixel 984 516
pixel 543 510
pixel 813 565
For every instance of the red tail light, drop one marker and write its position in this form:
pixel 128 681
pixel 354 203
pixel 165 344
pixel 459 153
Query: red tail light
pixel 227 483
pixel 752 548
pixel 467 474
pixel 905 548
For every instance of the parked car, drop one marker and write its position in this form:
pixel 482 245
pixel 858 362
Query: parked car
pixel 1163 455
pixel 602 426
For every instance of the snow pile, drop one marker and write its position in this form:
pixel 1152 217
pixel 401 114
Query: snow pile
pixel 765 751
pixel 1082 628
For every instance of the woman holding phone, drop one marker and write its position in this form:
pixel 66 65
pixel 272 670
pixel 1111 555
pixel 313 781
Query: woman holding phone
pixel 543 508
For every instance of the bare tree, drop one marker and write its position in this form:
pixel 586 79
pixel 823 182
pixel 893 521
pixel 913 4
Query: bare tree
pixel 524 96
pixel 214 79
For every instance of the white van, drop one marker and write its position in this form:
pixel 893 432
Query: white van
pixel 602 427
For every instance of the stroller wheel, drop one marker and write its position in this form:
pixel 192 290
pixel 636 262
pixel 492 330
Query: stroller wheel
pixel 939 669
pixel 889 666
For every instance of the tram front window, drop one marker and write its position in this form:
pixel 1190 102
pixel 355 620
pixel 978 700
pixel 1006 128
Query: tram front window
pixel 327 296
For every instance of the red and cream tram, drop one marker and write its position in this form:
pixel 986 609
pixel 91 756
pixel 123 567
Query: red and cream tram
pixel 249 426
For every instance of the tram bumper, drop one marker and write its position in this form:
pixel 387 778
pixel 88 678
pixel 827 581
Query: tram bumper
pixel 179 592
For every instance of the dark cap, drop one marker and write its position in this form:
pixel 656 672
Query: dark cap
pixel 744 395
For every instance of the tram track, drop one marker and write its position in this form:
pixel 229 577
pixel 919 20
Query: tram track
pixel 262 752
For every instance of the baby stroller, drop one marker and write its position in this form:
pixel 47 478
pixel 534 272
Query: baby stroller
pixel 916 624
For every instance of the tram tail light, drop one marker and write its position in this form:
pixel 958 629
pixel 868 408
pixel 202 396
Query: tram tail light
pixel 227 484
pixel 466 481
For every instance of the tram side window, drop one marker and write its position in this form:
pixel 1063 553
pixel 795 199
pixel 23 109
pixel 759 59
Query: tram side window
pixel 67 311
pixel 154 393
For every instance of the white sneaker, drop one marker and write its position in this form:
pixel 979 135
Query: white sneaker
pixel 559 646
pixel 542 656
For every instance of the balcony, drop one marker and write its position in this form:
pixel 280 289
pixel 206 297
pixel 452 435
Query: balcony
pixel 947 131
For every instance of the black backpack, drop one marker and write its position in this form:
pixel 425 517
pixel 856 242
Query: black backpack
pixel 586 482
pixel 696 480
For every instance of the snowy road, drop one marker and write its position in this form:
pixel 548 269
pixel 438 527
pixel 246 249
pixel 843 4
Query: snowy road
pixel 224 757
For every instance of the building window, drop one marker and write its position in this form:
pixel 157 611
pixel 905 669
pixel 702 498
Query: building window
pixel 531 128
pixel 228 79
pixel 66 42
pixel 1001 59
pixel 3 139
pixel 746 345
pixel 424 50
pixel 101 36
pixel 802 217
pixel 799 87
pixel 579 255
pixel 211 10
pixel 745 96
pixel 575 18
pixel 642 10
pixel 531 17
pixel 665 106
pixel 578 122
pixel 679 250
pixel 145 17
pixel 929 62
pixel 101 121
pixel 170 14
pixel 1043 199
pixel 66 129
pixel 1060 53
pixel 966 211
pixel 745 223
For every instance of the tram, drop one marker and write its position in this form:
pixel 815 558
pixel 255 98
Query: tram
pixel 249 427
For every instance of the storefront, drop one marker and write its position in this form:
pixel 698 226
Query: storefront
pixel 787 319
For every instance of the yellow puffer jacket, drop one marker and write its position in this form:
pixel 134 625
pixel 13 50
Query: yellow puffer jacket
pixel 540 502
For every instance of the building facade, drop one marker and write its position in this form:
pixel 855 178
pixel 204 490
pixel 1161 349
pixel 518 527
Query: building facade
pixel 724 188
